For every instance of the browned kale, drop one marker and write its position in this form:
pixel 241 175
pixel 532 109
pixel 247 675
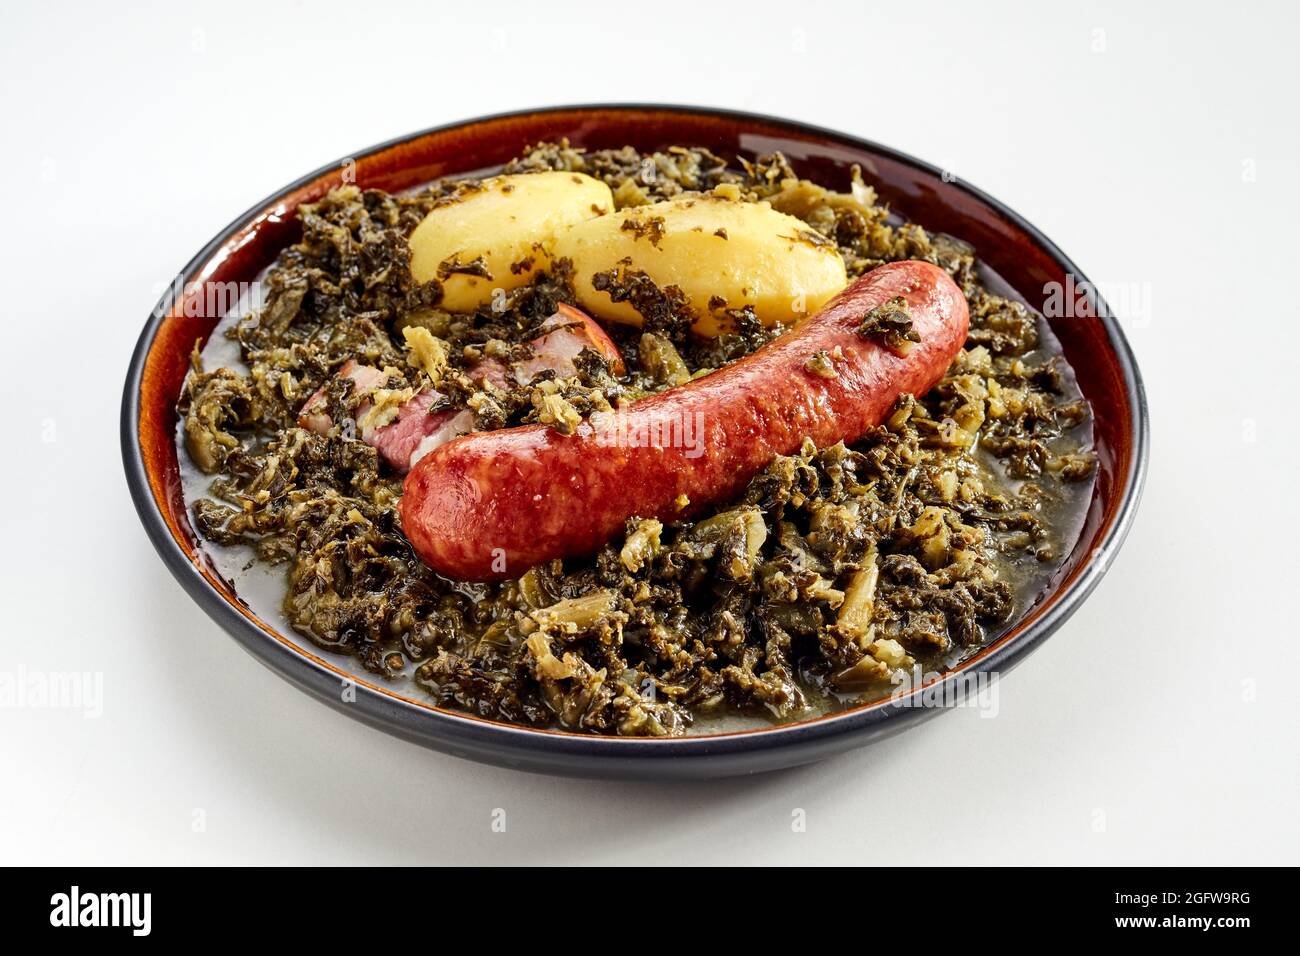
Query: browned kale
pixel 890 325
pixel 665 310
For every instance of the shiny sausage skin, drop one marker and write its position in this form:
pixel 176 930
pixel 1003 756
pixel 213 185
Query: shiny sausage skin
pixel 491 505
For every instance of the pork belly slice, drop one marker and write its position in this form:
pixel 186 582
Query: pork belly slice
pixel 397 440
pixel 564 335
pixel 414 432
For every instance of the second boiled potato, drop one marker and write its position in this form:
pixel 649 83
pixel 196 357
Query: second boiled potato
pixel 722 253
pixel 497 237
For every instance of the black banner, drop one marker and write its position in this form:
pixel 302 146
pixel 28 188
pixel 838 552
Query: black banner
pixel 242 904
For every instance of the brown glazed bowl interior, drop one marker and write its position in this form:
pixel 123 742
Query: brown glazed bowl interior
pixel 1093 344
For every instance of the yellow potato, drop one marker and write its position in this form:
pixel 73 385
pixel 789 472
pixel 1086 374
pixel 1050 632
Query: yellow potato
pixel 503 230
pixel 723 254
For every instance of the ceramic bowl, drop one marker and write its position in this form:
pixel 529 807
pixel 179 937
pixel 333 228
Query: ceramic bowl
pixel 1092 341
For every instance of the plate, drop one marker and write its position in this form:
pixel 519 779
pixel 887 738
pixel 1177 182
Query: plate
pixel 1090 337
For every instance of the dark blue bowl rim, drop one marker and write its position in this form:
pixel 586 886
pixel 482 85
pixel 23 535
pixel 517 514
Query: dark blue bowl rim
pixel 563 752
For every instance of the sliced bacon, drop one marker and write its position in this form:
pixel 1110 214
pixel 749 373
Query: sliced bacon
pixel 415 427
pixel 565 334
pixel 396 441
pixel 313 416
pixel 415 432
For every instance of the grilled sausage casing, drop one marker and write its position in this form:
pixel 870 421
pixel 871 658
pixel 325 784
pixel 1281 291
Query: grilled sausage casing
pixel 493 504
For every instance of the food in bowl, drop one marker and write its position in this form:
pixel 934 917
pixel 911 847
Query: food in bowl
pixel 638 444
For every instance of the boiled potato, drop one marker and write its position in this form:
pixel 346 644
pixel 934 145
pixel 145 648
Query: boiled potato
pixel 722 253
pixel 498 237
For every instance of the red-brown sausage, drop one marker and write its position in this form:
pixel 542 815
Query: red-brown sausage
pixel 493 504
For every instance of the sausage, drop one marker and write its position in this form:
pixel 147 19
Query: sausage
pixel 493 504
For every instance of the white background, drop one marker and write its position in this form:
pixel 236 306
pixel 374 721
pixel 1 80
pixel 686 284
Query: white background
pixel 1155 143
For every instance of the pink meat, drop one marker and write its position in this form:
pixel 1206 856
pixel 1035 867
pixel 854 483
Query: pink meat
pixel 414 426
pixel 313 416
pixel 414 432
pixel 397 441
pixel 566 333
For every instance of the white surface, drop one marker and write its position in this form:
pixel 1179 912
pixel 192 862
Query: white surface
pixel 1158 726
